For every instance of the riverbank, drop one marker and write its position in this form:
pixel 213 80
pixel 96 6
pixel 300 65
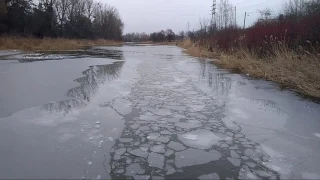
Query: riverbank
pixel 297 72
pixel 33 44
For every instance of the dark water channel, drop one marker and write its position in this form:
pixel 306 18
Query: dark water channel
pixel 148 112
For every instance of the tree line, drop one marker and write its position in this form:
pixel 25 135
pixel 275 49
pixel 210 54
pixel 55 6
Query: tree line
pixel 85 19
pixel 160 36
pixel 136 37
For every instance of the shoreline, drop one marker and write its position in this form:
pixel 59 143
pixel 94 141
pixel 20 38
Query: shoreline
pixel 50 44
pixel 293 75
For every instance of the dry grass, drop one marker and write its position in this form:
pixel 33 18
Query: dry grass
pixel 298 72
pixel 195 49
pixel 33 44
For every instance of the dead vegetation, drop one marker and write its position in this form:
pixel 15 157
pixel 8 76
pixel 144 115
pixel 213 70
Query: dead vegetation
pixel 291 69
pixel 195 49
pixel 33 44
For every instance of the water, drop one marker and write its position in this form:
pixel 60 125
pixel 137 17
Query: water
pixel 148 112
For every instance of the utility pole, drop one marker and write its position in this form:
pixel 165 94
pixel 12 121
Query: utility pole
pixel 235 16
pixel 188 30
pixel 245 17
pixel 213 15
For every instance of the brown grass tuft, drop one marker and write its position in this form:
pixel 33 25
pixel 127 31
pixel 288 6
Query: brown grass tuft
pixel 32 44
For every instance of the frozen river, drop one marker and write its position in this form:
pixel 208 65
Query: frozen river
pixel 148 112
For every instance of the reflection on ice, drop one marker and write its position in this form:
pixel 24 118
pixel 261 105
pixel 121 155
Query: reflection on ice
pixel 89 84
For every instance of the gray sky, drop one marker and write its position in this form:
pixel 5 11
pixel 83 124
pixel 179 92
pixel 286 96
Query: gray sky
pixel 154 15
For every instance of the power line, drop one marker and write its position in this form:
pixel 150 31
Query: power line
pixel 253 12
pixel 241 2
pixel 255 5
pixel 272 6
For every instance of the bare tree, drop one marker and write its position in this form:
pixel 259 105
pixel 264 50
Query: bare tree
pixel 204 28
pixel 170 35
pixel 182 34
pixel 61 7
pixel 295 8
pixel 107 22
pixel 225 15
pixel 89 8
pixel 265 14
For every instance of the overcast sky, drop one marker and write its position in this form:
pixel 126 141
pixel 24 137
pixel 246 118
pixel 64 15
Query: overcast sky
pixel 154 15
